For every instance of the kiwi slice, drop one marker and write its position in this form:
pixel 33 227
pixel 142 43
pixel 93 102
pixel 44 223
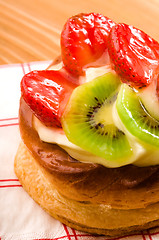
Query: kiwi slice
pixel 88 122
pixel 135 117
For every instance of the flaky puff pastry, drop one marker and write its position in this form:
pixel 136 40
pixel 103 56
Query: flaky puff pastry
pixel 84 216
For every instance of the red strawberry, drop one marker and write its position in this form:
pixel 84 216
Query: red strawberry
pixel 46 93
pixel 84 40
pixel 134 55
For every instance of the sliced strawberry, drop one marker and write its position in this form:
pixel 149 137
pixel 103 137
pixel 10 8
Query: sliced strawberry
pixel 134 55
pixel 46 93
pixel 84 40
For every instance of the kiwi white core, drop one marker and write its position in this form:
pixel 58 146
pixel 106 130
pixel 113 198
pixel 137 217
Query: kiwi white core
pixel 104 114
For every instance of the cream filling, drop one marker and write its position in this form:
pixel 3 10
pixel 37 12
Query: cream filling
pixel 57 136
pixel 142 154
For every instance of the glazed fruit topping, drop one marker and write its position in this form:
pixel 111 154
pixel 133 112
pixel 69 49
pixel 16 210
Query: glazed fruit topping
pixel 46 93
pixel 84 40
pixel 134 55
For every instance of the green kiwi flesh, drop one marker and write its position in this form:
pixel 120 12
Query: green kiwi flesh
pixel 136 118
pixel 88 122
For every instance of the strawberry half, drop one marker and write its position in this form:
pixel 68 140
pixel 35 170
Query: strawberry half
pixel 84 40
pixel 46 93
pixel 134 55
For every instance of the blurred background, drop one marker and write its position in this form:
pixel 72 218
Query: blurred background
pixel 30 29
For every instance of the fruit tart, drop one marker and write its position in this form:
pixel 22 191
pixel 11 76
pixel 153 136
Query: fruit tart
pixel 89 125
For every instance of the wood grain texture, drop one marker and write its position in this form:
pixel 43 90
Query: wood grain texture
pixel 30 29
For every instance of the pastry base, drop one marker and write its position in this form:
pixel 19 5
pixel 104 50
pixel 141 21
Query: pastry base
pixel 93 218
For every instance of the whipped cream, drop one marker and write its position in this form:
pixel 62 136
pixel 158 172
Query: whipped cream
pixel 142 154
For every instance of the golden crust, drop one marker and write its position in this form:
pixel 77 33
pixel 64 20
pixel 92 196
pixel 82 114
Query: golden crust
pixel 85 216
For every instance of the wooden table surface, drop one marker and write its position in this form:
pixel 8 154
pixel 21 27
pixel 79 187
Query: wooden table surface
pixel 30 29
